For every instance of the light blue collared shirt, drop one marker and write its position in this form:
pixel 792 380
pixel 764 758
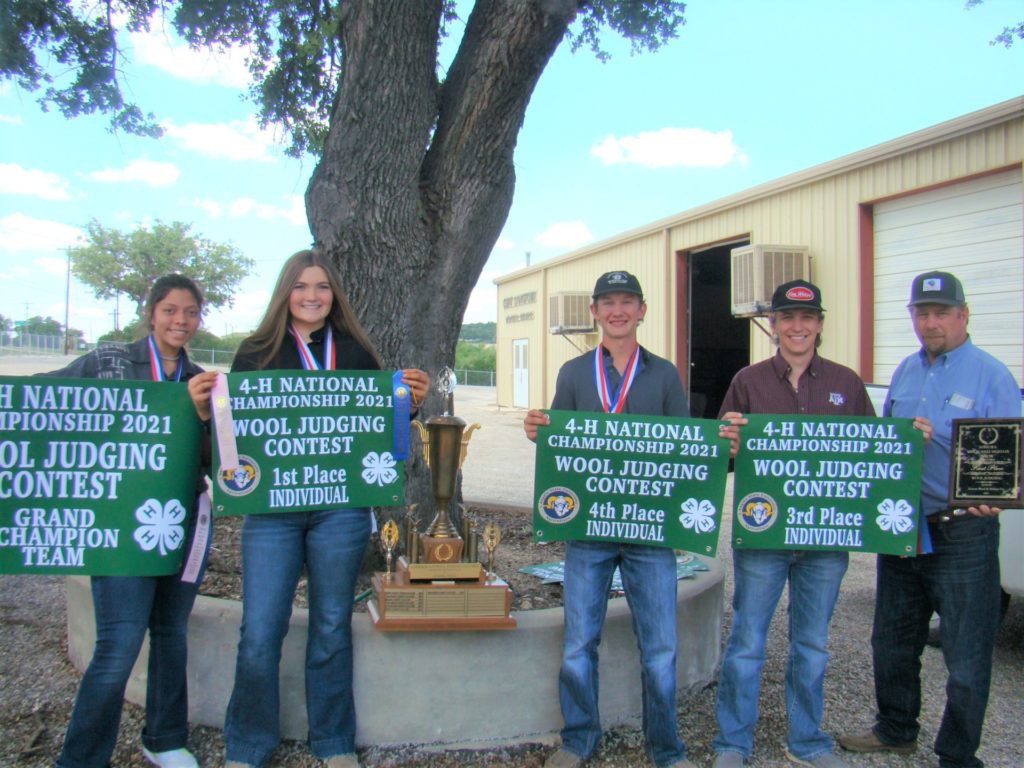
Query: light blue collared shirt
pixel 964 383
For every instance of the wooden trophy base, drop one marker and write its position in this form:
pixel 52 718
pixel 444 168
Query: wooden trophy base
pixel 404 605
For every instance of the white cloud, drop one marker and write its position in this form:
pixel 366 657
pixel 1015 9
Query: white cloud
pixel 226 68
pixel 15 180
pixel 10 119
pixel 565 234
pixel 19 232
pixel 149 172
pixel 483 300
pixel 294 210
pixel 236 140
pixel 693 147
pixel 244 316
pixel 211 208
pixel 504 244
pixel 52 265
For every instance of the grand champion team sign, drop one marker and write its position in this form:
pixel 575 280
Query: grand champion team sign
pixel 635 479
pixel 96 477
pixel 827 483
pixel 309 440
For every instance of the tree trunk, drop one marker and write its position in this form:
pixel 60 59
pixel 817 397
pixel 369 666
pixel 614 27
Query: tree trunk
pixel 417 177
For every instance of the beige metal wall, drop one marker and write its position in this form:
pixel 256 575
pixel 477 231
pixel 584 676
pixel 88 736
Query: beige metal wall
pixel 819 208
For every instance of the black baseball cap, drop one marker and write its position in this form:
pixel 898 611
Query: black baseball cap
pixel 797 294
pixel 936 288
pixel 617 282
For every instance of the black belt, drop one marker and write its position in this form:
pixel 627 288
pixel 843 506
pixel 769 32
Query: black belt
pixel 948 516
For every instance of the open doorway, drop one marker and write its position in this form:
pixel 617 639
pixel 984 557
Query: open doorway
pixel 717 344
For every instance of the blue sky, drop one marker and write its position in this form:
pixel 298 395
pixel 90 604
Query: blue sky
pixel 749 92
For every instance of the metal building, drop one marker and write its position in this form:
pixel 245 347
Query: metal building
pixel 948 197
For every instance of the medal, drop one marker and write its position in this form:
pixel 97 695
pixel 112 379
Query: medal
pixel 613 401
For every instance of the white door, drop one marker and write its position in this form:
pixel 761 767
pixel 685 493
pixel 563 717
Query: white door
pixel 520 373
pixel 974 229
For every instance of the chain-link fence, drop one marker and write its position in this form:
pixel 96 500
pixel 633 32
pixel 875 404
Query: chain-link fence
pixel 474 378
pixel 53 344
pixel 33 343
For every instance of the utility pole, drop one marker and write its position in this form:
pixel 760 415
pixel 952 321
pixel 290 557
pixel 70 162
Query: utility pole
pixel 67 305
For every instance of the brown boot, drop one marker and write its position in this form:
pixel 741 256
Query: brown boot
pixel 868 741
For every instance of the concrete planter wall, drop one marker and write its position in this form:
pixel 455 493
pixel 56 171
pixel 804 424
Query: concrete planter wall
pixel 450 688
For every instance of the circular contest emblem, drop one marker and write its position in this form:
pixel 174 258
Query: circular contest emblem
pixel 558 505
pixel 240 481
pixel 757 512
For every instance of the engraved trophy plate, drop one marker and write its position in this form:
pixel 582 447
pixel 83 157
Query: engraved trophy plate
pixel 986 463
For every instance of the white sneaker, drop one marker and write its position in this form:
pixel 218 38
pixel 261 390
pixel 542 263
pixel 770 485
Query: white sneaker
pixel 172 758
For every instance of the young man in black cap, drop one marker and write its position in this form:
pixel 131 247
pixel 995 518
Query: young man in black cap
pixel 619 376
pixel 948 378
pixel 796 380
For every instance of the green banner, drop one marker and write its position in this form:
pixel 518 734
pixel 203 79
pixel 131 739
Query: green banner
pixel 97 477
pixel 827 483
pixel 310 440
pixel 634 479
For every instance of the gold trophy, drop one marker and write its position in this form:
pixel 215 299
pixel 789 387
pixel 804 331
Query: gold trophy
pixel 435 591
pixel 445 439
pixel 389 538
pixel 492 537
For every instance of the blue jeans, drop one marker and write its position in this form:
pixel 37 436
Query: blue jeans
pixel 959 580
pixel 649 579
pixel 275 547
pixel 814 579
pixel 125 607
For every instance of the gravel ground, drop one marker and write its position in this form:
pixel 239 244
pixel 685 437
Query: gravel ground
pixel 38 687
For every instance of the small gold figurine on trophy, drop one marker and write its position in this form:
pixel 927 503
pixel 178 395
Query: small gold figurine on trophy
pixel 389 538
pixel 492 537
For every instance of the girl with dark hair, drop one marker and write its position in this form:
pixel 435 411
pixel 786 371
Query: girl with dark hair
pixel 308 325
pixel 126 606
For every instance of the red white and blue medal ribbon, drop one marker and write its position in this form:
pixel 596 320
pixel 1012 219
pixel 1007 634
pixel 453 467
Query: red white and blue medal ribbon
pixel 156 366
pixel 309 361
pixel 612 401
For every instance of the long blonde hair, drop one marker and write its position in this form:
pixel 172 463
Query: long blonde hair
pixel 270 333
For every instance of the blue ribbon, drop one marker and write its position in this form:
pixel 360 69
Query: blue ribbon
pixel 401 397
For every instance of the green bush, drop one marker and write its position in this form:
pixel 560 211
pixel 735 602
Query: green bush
pixel 474 357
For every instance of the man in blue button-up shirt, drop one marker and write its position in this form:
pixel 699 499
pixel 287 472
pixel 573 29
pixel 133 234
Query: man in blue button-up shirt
pixel 948 378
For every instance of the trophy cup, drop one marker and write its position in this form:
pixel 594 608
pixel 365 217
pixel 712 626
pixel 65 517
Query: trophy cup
pixel 389 538
pixel 431 589
pixel 445 439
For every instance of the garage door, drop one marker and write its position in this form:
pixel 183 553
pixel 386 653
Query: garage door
pixel 974 229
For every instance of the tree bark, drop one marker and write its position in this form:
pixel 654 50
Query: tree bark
pixel 417 177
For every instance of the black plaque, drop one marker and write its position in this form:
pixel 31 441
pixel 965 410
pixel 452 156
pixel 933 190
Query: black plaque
pixel 986 463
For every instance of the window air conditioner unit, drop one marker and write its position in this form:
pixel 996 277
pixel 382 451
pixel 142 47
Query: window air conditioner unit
pixel 758 269
pixel 570 313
